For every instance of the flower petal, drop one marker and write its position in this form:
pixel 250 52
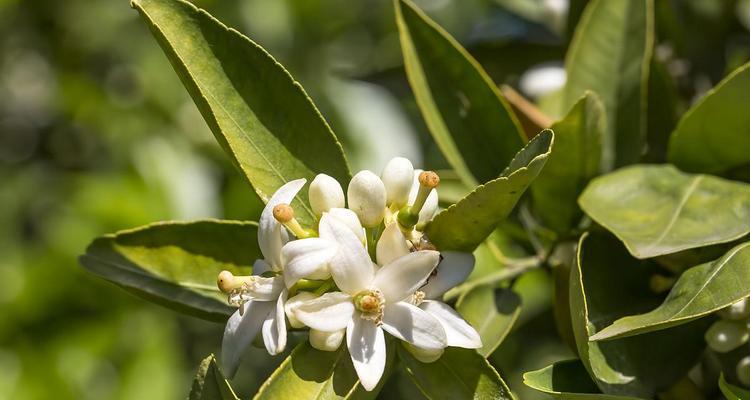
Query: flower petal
pixel 274 327
pixel 271 234
pixel 265 289
pixel 307 258
pixel 240 331
pixel 404 275
pixel 366 344
pixel 328 313
pixel 452 270
pixel 260 266
pixel 292 304
pixel 411 324
pixel 351 220
pixel 391 245
pixel 351 266
pixel 458 332
pixel 326 341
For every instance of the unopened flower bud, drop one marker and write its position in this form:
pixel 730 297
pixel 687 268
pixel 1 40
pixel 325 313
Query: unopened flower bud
pixel 397 178
pixel 737 311
pixel 326 341
pixel 293 302
pixel 743 371
pixel 424 355
pixel 724 336
pixel 325 193
pixel 366 196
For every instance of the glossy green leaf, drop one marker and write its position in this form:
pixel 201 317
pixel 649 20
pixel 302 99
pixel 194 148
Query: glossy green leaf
pixel 176 264
pixel 492 312
pixel 466 224
pixel 567 380
pixel 610 55
pixel 657 210
pixel 732 392
pixel 575 161
pixel 259 114
pixel 606 284
pixel 459 374
pixel 699 291
pixel 210 384
pixel 471 123
pixel 312 374
pixel 714 135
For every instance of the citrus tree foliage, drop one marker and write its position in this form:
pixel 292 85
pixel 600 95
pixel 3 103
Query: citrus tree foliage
pixel 650 261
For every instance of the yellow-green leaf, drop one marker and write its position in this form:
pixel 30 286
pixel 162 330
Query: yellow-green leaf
pixel 492 312
pixel 567 380
pixel 210 383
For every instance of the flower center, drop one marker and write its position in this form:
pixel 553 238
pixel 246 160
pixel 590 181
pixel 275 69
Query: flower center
pixel 371 304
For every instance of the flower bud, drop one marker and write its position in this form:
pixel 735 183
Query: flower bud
pixel 326 341
pixel 366 196
pixel 293 302
pixel 397 178
pixel 743 371
pixel 737 311
pixel 325 193
pixel 424 355
pixel 724 336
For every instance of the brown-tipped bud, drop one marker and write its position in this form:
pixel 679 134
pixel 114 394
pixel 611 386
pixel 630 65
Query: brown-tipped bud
pixel 283 213
pixel 429 179
pixel 225 281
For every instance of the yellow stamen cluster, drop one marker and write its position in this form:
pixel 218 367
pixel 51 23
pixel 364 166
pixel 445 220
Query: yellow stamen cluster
pixel 371 304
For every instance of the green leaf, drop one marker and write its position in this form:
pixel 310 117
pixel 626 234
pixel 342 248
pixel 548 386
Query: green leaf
pixel 458 374
pixel 714 135
pixel 732 392
pixel 175 264
pixel 567 380
pixel 312 374
pixel 699 291
pixel 471 123
pixel 607 284
pixel 464 225
pixel 610 55
pixel 259 114
pixel 492 312
pixel 574 162
pixel 210 384
pixel 657 210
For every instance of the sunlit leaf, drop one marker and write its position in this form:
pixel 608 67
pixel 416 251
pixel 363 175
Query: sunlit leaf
pixel 492 312
pixel 567 380
pixel 210 384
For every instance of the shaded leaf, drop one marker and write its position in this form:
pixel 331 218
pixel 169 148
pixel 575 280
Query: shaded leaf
pixel 610 55
pixel 607 284
pixel 575 161
pixel 714 135
pixel 732 392
pixel 657 210
pixel 210 383
pixel 175 264
pixel 567 380
pixel 458 374
pixel 466 224
pixel 471 123
pixel 492 312
pixel 259 114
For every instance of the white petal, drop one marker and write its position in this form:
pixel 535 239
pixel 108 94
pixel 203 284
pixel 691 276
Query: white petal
pixel 351 266
pixel 260 266
pixel 240 331
pixel 271 235
pixel 325 193
pixel 274 327
pixel 328 313
pixel 366 195
pixel 397 177
pixel 458 332
pixel 366 344
pixel 307 258
pixel 391 245
pixel 291 305
pixel 350 219
pixel 452 270
pixel 424 355
pixel 411 324
pixel 265 289
pixel 404 275
pixel 326 341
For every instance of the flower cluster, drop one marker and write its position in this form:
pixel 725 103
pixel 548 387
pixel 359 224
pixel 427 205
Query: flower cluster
pixel 361 272
pixel 731 332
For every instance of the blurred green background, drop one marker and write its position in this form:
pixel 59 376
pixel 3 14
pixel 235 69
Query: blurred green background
pixel 98 135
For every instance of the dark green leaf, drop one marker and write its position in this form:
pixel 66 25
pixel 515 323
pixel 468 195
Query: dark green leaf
pixel 699 291
pixel 714 135
pixel 459 374
pixel 259 114
pixel 732 392
pixel 210 384
pixel 657 210
pixel 176 264
pixel 576 159
pixel 607 284
pixel 610 55
pixel 466 224
pixel 463 108
pixel 492 312
pixel 567 380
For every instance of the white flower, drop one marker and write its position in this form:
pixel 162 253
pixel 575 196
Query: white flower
pixel 261 299
pixel 397 177
pixel 371 301
pixel 366 195
pixel 325 193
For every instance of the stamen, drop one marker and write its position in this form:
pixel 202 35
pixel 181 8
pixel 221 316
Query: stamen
pixel 371 304
pixel 284 213
pixel 417 298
